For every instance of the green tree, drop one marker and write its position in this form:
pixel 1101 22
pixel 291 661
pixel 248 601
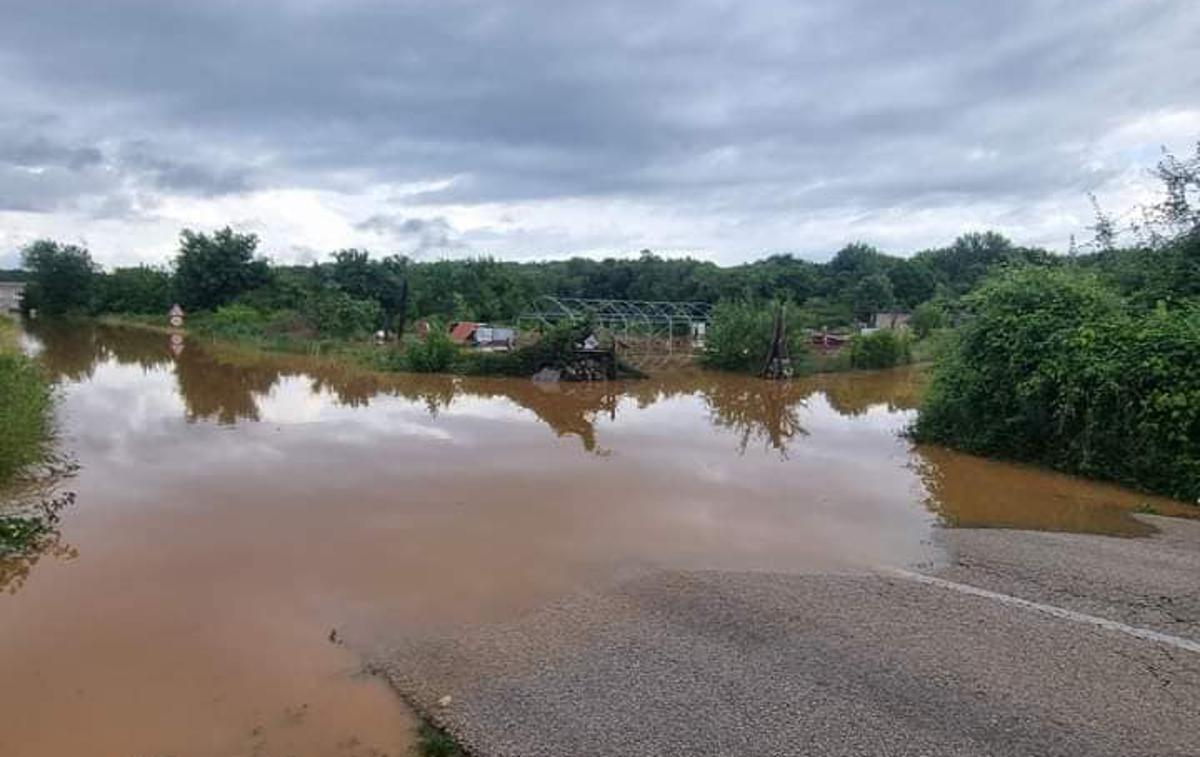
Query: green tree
pixel 872 295
pixel 913 281
pixel 62 278
pixel 434 353
pixel 213 270
pixel 336 314
pixel 739 337
pixel 1051 366
pixel 141 289
pixel 927 318
pixel 385 281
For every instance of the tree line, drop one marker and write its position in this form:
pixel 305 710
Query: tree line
pixel 354 292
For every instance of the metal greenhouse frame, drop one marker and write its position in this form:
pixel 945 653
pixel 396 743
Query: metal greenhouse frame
pixel 641 330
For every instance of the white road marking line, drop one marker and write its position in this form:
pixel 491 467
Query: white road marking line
pixel 1057 612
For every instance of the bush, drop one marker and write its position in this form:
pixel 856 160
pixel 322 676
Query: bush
pixel 926 319
pixel 235 321
pixel 135 290
pixel 337 314
pixel 25 408
pixel 433 354
pixel 739 336
pixel 880 349
pixel 1052 367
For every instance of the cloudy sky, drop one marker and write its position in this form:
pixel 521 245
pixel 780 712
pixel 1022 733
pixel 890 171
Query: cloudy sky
pixel 722 129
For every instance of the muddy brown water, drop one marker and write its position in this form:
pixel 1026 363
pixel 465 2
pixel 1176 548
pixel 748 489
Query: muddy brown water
pixel 234 509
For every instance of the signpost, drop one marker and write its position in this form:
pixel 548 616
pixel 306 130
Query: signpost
pixel 175 318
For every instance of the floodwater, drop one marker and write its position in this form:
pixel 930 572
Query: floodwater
pixel 244 523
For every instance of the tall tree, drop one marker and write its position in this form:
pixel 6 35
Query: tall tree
pixel 873 295
pixel 62 278
pixel 212 270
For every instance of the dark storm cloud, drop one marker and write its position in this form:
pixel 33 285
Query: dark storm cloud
pixel 744 108
pixel 42 169
pixel 422 235
pixel 186 176
pixel 36 151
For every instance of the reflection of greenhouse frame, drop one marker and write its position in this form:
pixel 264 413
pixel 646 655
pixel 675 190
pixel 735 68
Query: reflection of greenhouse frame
pixel 637 327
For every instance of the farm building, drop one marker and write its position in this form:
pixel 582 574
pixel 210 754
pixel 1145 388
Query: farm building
pixel 482 335
pixel 891 320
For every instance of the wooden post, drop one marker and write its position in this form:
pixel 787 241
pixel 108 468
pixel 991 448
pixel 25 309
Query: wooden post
pixel 779 365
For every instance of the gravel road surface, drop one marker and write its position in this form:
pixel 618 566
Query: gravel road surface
pixel 766 664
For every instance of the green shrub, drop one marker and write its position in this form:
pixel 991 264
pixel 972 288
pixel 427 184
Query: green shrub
pixel 434 742
pixel 25 408
pixel 739 336
pixel 134 290
pixel 236 321
pixel 933 346
pixel 336 314
pixel 885 348
pixel 926 319
pixel 433 354
pixel 1052 367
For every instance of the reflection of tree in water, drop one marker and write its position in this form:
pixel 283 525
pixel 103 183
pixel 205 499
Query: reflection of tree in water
pixel 16 566
pixel 225 383
pixel 434 392
pixel 853 394
pixel 569 409
pixel 760 410
pixel 350 391
pixel 29 525
pixel 213 389
pixel 752 408
pixel 70 350
pixel 147 349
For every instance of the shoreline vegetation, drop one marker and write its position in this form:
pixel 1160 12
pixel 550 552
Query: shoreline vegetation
pixel 878 351
pixel 29 509
pixel 1082 362
pixel 26 404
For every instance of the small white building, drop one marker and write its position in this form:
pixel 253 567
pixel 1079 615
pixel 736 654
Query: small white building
pixel 10 296
pixel 895 320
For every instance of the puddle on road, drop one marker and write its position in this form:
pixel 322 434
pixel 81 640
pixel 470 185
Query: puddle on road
pixel 971 492
pixel 234 509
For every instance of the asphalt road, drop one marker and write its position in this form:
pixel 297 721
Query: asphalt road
pixel 765 664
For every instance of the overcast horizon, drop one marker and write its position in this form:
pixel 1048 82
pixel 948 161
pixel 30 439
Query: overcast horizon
pixel 727 131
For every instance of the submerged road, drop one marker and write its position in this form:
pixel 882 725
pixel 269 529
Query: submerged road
pixel 1026 644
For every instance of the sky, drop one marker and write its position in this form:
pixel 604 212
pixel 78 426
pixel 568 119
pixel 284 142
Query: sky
pixel 726 130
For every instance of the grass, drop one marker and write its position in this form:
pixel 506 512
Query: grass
pixel 21 533
pixel 26 417
pixel 434 742
pixel 26 403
